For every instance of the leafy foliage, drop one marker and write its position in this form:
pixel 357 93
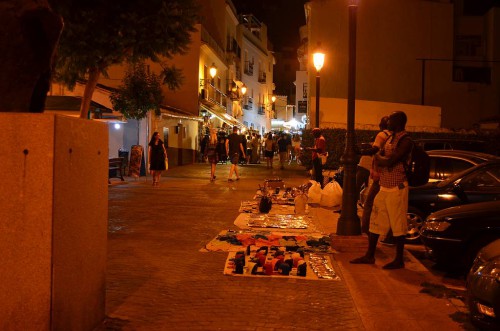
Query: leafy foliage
pixel 100 33
pixel 140 93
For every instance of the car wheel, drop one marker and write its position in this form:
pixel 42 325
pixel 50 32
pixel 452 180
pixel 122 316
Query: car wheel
pixel 415 219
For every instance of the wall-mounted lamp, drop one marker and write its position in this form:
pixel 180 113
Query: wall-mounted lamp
pixel 273 98
pixel 243 89
pixel 212 70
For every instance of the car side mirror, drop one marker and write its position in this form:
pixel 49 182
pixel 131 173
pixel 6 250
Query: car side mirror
pixel 459 191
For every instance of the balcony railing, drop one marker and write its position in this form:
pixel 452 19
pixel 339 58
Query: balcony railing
pixel 211 94
pixel 248 68
pixel 210 41
pixel 261 110
pixel 262 77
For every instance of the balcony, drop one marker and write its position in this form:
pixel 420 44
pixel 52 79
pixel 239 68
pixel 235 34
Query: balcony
pixel 248 68
pixel 261 110
pixel 210 95
pixel 262 77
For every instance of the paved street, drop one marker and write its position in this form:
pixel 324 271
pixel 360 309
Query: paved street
pixel 159 280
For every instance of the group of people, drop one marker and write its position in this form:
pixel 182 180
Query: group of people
pixel 383 162
pixel 386 205
pixel 216 148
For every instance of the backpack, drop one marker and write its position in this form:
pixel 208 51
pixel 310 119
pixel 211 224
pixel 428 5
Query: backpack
pixel 418 165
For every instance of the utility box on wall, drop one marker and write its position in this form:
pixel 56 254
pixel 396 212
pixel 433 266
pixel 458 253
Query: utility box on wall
pixel 53 222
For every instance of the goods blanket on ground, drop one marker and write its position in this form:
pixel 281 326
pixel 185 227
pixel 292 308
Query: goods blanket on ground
pixel 291 223
pixel 231 241
pixel 312 266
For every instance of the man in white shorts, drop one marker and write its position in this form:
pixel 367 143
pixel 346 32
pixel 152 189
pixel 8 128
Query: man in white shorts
pixel 391 203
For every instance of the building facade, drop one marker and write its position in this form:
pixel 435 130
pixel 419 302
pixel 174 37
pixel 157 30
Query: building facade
pixel 429 58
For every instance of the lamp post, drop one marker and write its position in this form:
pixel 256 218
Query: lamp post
pixel 349 223
pixel 318 60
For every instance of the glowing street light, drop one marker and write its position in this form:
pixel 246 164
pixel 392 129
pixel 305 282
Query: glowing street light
pixel 212 70
pixel 318 60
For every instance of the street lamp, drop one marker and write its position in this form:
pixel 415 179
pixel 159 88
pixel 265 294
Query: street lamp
pixel 318 60
pixel 349 223
pixel 273 98
pixel 213 71
pixel 243 89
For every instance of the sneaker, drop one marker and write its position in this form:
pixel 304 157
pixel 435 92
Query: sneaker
pixel 394 265
pixel 363 260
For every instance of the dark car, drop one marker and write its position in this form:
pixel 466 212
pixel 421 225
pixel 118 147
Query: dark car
pixel 445 163
pixel 454 236
pixel 452 144
pixel 477 184
pixel 483 288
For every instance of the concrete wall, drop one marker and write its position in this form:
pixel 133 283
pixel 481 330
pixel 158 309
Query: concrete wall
pixel 53 222
pixel 333 114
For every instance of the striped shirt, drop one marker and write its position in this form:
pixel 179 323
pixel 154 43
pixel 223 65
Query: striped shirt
pixel 395 175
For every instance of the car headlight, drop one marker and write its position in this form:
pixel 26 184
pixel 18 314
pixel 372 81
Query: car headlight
pixel 437 226
pixel 490 269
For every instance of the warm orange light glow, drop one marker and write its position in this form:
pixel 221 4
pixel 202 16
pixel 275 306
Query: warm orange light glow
pixel 213 70
pixel 273 98
pixel 318 60
pixel 243 89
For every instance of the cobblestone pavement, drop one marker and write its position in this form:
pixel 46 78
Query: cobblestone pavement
pixel 157 278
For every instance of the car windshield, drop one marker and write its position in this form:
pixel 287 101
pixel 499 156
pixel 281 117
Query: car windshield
pixel 452 178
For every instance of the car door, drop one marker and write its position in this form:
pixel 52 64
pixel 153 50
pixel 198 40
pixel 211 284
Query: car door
pixel 481 185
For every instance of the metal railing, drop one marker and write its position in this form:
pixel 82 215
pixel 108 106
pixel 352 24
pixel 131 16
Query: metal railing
pixel 262 77
pixel 248 68
pixel 212 94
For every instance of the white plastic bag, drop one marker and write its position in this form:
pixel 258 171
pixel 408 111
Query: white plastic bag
pixel 314 193
pixel 331 196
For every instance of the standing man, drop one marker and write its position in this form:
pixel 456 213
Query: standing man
pixel 391 203
pixel 319 148
pixel 366 162
pixel 282 150
pixel 233 148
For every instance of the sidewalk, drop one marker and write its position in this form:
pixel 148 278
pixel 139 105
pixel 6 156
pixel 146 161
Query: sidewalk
pixel 159 280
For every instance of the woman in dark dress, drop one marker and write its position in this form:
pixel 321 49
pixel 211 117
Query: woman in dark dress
pixel 211 152
pixel 157 157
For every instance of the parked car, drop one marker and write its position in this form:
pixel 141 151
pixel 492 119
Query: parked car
pixel 445 163
pixel 454 236
pixel 452 144
pixel 483 288
pixel 477 184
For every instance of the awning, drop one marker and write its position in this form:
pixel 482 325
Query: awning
pixel 225 117
pixel 172 112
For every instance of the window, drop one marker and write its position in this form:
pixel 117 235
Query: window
pixel 485 179
pixel 442 167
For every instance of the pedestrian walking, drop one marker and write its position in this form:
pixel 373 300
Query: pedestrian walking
pixel 319 148
pixel 391 203
pixel 157 157
pixel 254 143
pixel 269 150
pixel 282 150
pixel 366 162
pixel 233 148
pixel 211 152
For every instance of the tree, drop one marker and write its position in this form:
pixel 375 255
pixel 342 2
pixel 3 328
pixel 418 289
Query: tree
pixel 140 93
pixel 100 33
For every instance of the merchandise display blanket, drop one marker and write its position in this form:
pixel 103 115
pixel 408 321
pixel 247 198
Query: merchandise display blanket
pixel 232 241
pixel 285 222
pixel 276 262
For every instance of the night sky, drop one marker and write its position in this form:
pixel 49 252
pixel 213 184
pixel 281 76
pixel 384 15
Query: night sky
pixel 282 17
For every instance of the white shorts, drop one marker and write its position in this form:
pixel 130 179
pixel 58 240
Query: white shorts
pixel 389 212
